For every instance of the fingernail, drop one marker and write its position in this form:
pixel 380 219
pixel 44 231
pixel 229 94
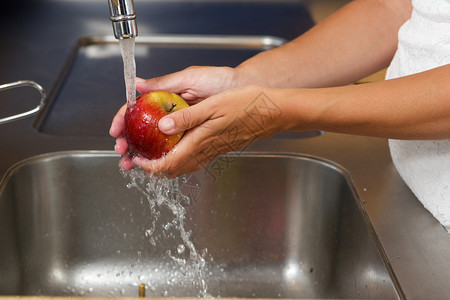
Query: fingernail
pixel 166 124
pixel 139 80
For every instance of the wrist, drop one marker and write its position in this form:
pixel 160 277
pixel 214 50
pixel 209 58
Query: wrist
pixel 241 76
pixel 252 72
pixel 301 109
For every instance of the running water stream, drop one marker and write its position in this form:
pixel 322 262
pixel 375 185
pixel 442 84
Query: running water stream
pixel 164 193
pixel 127 47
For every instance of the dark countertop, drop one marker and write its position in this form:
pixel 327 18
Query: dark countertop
pixel 40 35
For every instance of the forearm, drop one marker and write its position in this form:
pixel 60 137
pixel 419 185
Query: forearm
pixel 356 41
pixel 412 107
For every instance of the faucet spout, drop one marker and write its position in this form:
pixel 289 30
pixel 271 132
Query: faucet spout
pixel 123 18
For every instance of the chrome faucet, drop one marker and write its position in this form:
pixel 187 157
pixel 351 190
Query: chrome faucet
pixel 123 18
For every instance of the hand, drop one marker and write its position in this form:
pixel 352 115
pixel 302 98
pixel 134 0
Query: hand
pixel 121 146
pixel 192 84
pixel 224 122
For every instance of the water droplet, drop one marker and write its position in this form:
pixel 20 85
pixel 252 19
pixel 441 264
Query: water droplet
pixel 180 249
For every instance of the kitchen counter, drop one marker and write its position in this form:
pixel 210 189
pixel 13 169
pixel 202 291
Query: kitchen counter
pixel 41 35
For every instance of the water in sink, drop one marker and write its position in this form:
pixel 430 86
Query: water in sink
pixel 163 193
pixel 127 47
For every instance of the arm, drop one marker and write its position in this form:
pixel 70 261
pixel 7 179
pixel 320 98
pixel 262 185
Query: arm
pixel 356 41
pixel 412 107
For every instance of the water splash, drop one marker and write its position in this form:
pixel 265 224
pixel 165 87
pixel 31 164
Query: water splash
pixel 165 193
pixel 127 47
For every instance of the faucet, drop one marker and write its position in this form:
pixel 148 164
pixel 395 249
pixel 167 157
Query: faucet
pixel 123 18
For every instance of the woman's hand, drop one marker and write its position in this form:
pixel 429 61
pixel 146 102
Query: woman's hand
pixel 224 122
pixel 121 146
pixel 193 84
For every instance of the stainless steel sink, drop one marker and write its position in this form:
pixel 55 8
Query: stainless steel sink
pixel 275 226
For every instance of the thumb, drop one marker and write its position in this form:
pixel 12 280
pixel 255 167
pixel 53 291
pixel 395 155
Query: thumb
pixel 183 119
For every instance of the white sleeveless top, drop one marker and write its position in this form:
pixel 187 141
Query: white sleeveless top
pixel 424 43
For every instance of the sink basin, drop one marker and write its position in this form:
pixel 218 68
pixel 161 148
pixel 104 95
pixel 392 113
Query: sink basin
pixel 93 75
pixel 274 226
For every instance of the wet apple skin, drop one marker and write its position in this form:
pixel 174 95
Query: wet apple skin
pixel 141 124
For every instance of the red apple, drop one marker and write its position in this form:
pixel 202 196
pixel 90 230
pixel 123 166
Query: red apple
pixel 141 124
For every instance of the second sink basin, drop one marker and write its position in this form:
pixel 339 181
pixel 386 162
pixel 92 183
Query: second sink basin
pixel 91 88
pixel 274 226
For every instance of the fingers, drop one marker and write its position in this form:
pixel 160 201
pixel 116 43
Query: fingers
pixel 177 162
pixel 174 82
pixel 118 123
pixel 193 84
pixel 142 86
pixel 126 163
pixel 121 146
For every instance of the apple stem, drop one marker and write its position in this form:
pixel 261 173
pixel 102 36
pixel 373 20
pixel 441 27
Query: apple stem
pixel 173 106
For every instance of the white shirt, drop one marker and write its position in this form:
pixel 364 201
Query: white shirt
pixel 424 43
